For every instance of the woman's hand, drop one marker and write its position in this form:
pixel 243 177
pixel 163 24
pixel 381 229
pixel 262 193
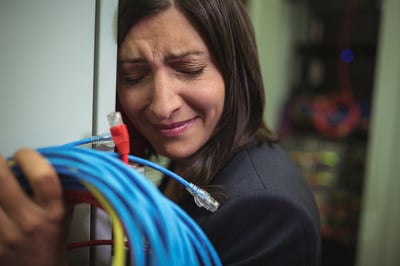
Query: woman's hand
pixel 32 229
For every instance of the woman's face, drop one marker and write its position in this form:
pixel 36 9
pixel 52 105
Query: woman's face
pixel 168 84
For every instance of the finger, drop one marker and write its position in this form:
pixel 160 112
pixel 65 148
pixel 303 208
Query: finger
pixel 7 227
pixel 12 197
pixel 5 221
pixel 42 177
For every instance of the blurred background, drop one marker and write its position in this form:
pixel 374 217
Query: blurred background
pixel 332 77
pixel 331 72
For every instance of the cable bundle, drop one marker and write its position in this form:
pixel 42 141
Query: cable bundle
pixel 157 230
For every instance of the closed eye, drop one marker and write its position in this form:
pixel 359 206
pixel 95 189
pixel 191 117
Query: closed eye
pixel 131 80
pixel 194 72
pixel 192 69
pixel 132 75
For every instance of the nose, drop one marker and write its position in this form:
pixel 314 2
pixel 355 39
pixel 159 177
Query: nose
pixel 165 99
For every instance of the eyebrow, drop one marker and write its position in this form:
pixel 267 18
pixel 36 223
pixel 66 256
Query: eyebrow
pixel 171 57
pixel 168 57
pixel 132 61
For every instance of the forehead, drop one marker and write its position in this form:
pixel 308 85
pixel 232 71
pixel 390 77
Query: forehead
pixel 166 32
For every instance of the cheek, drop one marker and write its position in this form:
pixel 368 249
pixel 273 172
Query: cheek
pixel 211 102
pixel 219 106
pixel 131 103
pixel 213 99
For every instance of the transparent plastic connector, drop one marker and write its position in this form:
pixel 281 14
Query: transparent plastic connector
pixel 114 119
pixel 103 139
pixel 202 198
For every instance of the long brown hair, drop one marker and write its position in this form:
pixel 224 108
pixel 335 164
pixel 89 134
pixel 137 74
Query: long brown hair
pixel 228 33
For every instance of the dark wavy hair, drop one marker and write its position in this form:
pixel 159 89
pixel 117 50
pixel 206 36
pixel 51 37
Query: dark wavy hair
pixel 227 31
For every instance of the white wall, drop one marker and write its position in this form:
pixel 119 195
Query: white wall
pixel 46 72
pixel 57 82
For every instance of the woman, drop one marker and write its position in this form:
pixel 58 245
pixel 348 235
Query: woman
pixel 189 80
pixel 190 89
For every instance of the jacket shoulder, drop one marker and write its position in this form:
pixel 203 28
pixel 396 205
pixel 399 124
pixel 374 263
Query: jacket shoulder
pixel 268 214
pixel 263 228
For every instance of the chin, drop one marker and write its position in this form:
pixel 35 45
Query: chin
pixel 176 154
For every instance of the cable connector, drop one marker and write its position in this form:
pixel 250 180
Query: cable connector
pixel 202 198
pixel 120 135
pixel 104 138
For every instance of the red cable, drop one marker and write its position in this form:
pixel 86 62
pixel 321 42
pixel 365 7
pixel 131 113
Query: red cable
pixel 88 243
pixel 325 108
pixel 120 137
pixel 81 196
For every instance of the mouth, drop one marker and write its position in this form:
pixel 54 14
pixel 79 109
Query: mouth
pixel 174 129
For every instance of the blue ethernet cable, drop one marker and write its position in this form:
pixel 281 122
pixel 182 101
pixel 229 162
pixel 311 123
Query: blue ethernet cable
pixel 151 221
pixel 201 197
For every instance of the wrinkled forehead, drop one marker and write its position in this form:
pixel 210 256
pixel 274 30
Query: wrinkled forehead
pixel 167 32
